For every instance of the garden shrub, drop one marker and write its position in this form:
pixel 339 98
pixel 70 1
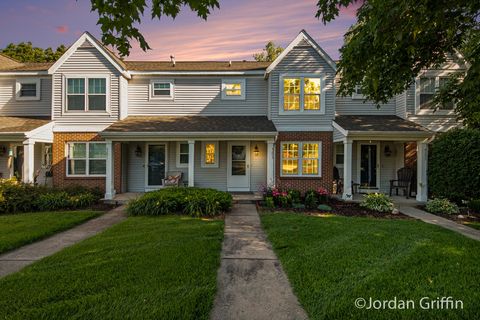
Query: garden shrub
pixel 454 165
pixel 377 202
pixel 17 197
pixel 295 195
pixel 269 202
pixel 474 205
pixel 311 199
pixel 196 202
pixel 441 205
pixel 53 201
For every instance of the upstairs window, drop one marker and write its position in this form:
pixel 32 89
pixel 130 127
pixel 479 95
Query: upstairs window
pixel 233 89
pixel 161 89
pixel 28 89
pixel 302 93
pixel 82 98
pixel 428 87
pixel 358 93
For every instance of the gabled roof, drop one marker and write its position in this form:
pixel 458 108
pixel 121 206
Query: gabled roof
pixel 7 63
pixel 303 35
pixel 114 60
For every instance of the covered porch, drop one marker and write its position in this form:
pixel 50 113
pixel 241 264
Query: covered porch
pixel 369 151
pixel 226 153
pixel 26 149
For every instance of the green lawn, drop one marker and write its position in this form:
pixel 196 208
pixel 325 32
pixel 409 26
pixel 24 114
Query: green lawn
pixel 17 230
pixel 142 268
pixel 475 225
pixel 331 261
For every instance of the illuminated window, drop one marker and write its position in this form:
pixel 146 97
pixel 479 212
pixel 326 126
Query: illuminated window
pixel 301 94
pixel 301 158
pixel 210 154
pixel 233 89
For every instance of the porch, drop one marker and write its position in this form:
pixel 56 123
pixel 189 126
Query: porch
pixel 369 150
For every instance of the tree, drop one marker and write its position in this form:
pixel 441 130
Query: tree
pixel 118 18
pixel 26 52
pixel 394 40
pixel 270 53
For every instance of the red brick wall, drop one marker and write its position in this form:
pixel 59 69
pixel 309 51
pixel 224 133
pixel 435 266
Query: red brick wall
pixel 60 178
pixel 306 183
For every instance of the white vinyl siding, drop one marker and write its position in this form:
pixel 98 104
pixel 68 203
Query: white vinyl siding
pixel 10 106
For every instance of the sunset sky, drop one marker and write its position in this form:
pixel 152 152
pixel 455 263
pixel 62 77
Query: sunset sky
pixel 234 32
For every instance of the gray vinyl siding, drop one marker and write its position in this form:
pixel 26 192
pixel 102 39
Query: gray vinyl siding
pixel 410 99
pixel 9 106
pixel 136 168
pixel 87 60
pixel 197 96
pixel 401 105
pixel 172 160
pixel 337 135
pixel 258 166
pixel 436 123
pixel 302 59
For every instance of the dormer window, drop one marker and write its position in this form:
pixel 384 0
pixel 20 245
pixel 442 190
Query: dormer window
pixel 28 89
pixel 233 89
pixel 300 94
pixel 161 89
pixel 86 94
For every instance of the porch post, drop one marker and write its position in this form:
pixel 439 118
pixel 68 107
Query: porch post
pixel 28 161
pixel 270 163
pixel 347 170
pixel 191 163
pixel 109 186
pixel 422 163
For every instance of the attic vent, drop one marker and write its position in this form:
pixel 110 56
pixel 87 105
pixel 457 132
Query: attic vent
pixel 172 59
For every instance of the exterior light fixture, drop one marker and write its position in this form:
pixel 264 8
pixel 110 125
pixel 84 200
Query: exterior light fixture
pixel 387 151
pixel 138 151
pixel 256 151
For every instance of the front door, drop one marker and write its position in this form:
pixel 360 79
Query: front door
pixel 156 155
pixel 18 163
pixel 238 175
pixel 369 167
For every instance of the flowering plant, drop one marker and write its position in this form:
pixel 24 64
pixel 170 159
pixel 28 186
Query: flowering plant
pixel 322 191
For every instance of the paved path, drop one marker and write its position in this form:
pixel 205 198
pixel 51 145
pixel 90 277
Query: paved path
pixel 15 260
pixel 439 221
pixel 251 282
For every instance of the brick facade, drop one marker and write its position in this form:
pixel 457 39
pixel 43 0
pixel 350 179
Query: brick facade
pixel 60 178
pixel 306 183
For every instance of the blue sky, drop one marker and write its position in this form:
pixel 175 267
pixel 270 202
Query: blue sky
pixel 235 31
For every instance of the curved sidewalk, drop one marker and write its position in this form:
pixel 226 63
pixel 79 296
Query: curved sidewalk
pixel 251 283
pixel 17 259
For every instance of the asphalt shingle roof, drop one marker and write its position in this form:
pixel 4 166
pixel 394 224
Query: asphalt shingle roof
pixel 377 123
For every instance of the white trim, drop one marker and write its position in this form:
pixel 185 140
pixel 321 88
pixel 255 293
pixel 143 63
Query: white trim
pixel 356 95
pixel 339 128
pixel 217 153
pixel 18 86
pixel 123 98
pixel 378 168
pixel 437 74
pixel 151 95
pixel 86 78
pixel 231 185
pixel 87 159
pixel 191 163
pixel 243 89
pixel 181 165
pixel 198 73
pixel 300 158
pixel 24 73
pixel 147 148
pixel 76 45
pixel 87 127
pixel 301 76
pixel 303 35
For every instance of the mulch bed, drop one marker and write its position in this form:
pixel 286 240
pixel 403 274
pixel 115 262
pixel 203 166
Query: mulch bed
pixel 467 216
pixel 340 208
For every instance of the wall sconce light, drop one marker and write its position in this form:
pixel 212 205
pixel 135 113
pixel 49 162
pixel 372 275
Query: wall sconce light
pixel 387 151
pixel 10 152
pixel 256 151
pixel 138 151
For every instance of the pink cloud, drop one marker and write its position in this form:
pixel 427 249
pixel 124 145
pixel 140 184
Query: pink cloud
pixel 62 29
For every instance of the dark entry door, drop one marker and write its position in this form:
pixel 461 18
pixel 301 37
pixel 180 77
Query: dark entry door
pixel 368 166
pixel 156 164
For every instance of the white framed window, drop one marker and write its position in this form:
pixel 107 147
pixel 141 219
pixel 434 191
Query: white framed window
pixel 339 155
pixel 426 86
pixel 233 89
pixel 86 94
pixel 162 89
pixel 27 89
pixel 182 154
pixel 357 93
pixel 210 157
pixel 86 159
pixel 301 94
pixel 301 159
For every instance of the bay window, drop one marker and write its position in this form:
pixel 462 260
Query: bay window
pixel 301 158
pixel 86 159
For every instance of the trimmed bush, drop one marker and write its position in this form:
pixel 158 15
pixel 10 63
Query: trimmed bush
pixel 377 202
pixel 474 205
pixel 440 205
pixel 195 202
pixel 454 165
pixel 53 201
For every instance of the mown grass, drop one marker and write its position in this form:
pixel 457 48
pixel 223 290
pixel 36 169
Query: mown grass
pixel 475 225
pixel 331 261
pixel 142 268
pixel 17 230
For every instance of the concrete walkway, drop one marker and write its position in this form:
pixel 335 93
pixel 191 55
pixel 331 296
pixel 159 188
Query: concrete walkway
pixel 439 221
pixel 15 260
pixel 251 282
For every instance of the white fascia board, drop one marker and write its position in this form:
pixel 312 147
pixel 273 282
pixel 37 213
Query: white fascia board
pixel 23 73
pixel 79 128
pixel 46 129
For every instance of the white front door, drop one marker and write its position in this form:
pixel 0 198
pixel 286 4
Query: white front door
pixel 238 167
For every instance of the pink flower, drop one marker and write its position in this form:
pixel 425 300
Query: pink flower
pixel 322 191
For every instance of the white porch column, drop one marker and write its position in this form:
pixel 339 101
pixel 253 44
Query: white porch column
pixel 347 170
pixel 109 186
pixel 28 161
pixel 422 163
pixel 270 163
pixel 191 163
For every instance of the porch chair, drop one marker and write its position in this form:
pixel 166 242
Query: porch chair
pixel 404 181
pixel 173 179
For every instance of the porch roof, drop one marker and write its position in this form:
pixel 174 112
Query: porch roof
pixel 191 125
pixel 19 125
